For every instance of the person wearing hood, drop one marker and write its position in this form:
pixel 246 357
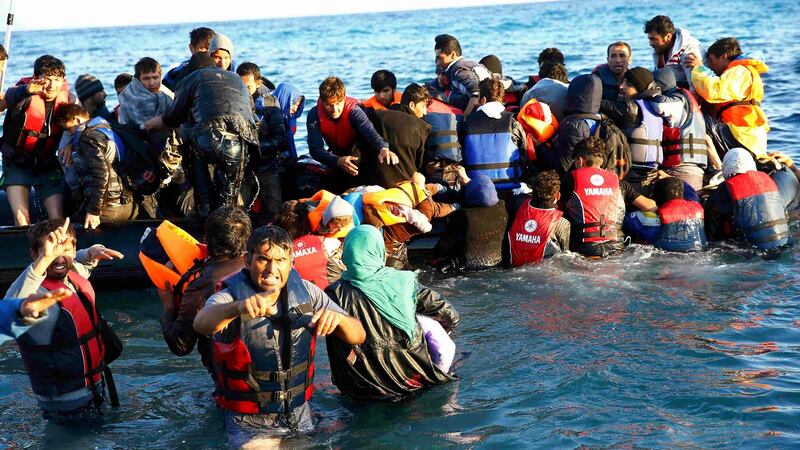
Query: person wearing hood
pixel 494 142
pixel 474 236
pixel 670 45
pixel 395 362
pixel 582 119
pixel 145 96
pixel 748 205
pixel 220 47
pixel 687 149
pixel 644 136
pixel 732 84
pixel 213 108
pixel 199 39
pixel 403 127
pixel 292 103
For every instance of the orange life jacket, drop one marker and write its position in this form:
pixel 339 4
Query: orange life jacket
pixel 407 194
pixel 373 102
pixel 746 112
pixel 168 252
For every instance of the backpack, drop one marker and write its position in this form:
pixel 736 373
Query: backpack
pixel 618 152
pixel 139 163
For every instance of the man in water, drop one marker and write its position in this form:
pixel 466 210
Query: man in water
pixel 65 378
pixel 264 324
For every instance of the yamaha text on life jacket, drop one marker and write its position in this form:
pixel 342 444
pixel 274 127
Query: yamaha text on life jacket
pixel 530 233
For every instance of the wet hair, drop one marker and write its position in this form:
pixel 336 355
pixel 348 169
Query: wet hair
pixel 551 54
pixel 145 65
pixel 248 68
pixel 725 46
pixel 661 25
pixel 227 230
pixel 619 44
pixel 667 189
pixel 332 88
pixel 591 149
pixel 294 219
pixel 201 35
pixel 122 80
pixel 545 187
pixel 447 44
pixel 49 66
pixel 555 71
pixel 37 233
pixel 415 93
pixel 269 235
pixel 67 112
pixel 3 53
pixel 383 79
pixel 492 90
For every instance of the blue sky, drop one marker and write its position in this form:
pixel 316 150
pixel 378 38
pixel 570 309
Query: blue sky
pixel 51 14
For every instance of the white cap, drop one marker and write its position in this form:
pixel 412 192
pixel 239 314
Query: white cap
pixel 736 161
pixel 338 207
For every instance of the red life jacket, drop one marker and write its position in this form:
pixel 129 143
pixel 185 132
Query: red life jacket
pixel 530 233
pixel 758 209
pixel 596 206
pixel 682 226
pixel 265 385
pixel 35 116
pixel 74 358
pixel 310 260
pixel 338 133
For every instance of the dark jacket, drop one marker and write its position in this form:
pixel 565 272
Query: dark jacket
pixel 177 324
pixel 406 135
pixel 272 137
pixel 212 98
pixel 94 161
pixel 175 75
pixel 583 97
pixel 387 366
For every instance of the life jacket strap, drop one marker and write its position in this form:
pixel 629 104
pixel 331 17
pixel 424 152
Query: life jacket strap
pixel 751 102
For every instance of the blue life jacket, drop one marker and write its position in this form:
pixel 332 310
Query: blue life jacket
pixel 101 125
pixel 685 144
pixel 682 226
pixel 758 210
pixel 489 150
pixel 357 200
pixel 445 121
pixel 251 377
pixel 645 138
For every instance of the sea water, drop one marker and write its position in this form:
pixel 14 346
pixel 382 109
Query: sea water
pixel 644 350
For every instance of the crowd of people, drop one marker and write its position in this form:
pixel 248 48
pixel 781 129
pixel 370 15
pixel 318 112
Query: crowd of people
pixel 296 247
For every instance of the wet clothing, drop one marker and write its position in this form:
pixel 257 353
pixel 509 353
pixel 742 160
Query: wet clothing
pixel 737 95
pixel 406 135
pixel 254 334
pixel 43 333
pixel 546 236
pixel 595 208
pixel 474 236
pixel 215 107
pixel 176 323
pixel 263 99
pixel 494 145
pixel 684 44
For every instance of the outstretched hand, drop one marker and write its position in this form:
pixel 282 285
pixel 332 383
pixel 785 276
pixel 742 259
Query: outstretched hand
pixel 387 156
pixel 36 304
pixel 325 321
pixel 261 304
pixel 99 252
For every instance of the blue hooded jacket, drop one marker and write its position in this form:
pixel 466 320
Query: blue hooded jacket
pixel 287 94
pixel 480 191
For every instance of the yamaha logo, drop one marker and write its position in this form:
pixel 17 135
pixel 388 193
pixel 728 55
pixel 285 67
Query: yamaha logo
pixel 530 226
pixel 299 244
pixel 597 179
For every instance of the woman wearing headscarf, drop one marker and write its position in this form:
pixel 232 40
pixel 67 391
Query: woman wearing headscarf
pixel 292 104
pixel 394 362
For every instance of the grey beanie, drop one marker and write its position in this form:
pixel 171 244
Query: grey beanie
pixel 736 161
pixel 220 42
